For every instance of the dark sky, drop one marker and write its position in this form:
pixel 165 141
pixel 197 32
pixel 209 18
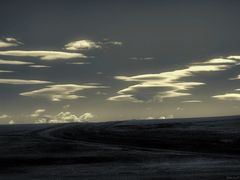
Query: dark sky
pixel 66 60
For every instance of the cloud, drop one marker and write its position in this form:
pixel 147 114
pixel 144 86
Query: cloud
pixel 86 116
pixel 14 62
pixel 101 93
pixel 221 61
pixel 39 66
pixel 79 63
pixel 169 94
pixel 166 77
pixel 202 68
pixel 162 117
pixel 11 39
pixel 165 84
pixel 236 78
pixel 65 117
pixel 150 117
pixel 5 71
pixel 192 101
pixel 37 112
pixel 89 44
pixel 44 55
pixel 22 81
pixel 66 106
pixel 11 122
pixel 115 43
pixel 82 45
pixel 125 97
pixel 179 109
pixel 4 116
pixel 228 96
pixel 9 42
pixel 234 57
pixel 142 58
pixel 61 92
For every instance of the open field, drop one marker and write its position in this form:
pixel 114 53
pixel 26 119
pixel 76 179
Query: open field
pixel 200 148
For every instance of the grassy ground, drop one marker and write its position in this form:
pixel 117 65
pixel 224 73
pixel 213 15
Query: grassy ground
pixel 204 148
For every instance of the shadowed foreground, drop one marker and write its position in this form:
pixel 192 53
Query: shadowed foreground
pixel 203 148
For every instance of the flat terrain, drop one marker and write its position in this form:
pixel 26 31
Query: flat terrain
pixel 200 148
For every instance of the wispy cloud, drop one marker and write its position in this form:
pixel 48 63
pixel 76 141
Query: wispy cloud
pixel 89 44
pixel 79 63
pixel 61 92
pixel 168 84
pixel 228 96
pixel 9 42
pixel 11 122
pixel 234 57
pixel 192 101
pixel 44 55
pixel 37 112
pixel 4 116
pixel 22 81
pixel 14 62
pixel 221 61
pixel 5 71
pixel 115 43
pixel 142 58
pixel 66 106
pixel 125 97
pixel 82 45
pixel 39 66
pixel 169 94
pixel 235 78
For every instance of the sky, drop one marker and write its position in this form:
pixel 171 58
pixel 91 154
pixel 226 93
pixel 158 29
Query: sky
pixel 89 60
